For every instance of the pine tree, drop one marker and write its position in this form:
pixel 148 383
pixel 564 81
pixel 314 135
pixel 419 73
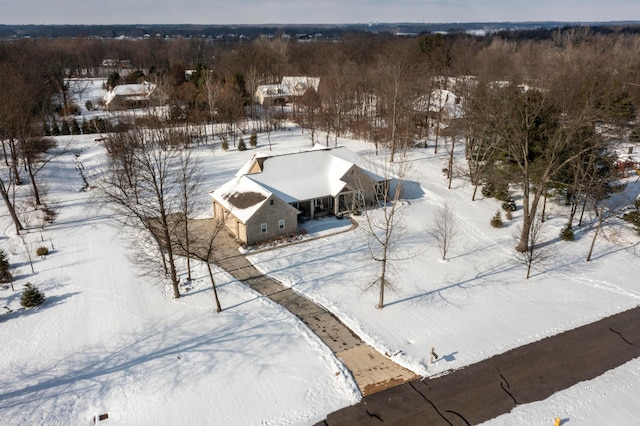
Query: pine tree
pixel 496 220
pixel 5 275
pixel 31 297
pixel 242 146
pixel 65 130
pixel 75 127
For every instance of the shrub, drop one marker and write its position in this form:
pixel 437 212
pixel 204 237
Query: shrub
pixel 566 234
pixel 499 191
pixel 502 193
pixel 508 215
pixel 225 145
pixel 42 251
pixel 5 275
pixel 242 146
pixel 253 139
pixel 496 220
pixel 49 214
pixel 634 219
pixel 31 297
pixel 509 205
pixel 488 190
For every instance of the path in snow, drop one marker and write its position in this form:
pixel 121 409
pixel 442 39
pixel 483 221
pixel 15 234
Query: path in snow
pixel 372 371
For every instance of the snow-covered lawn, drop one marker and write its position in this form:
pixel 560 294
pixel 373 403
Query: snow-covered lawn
pixel 109 338
pixel 475 304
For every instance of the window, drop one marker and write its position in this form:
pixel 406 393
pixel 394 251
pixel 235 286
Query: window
pixel 263 228
pixel 281 224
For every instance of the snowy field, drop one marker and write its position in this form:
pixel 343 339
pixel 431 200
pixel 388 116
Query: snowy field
pixel 110 339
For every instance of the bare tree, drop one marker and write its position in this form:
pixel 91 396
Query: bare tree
pixel 150 200
pixel 10 207
pixel 189 185
pixel 383 225
pixel 396 92
pixel 607 208
pixel 310 104
pixel 444 229
pixel 204 245
pixel 535 252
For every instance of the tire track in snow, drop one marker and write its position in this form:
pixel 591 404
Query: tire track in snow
pixel 598 284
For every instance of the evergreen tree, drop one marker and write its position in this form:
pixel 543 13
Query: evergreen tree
pixel 253 139
pixel 86 129
pixel 55 130
pixel 242 146
pixel 75 127
pixel 65 130
pixel 31 297
pixel 5 275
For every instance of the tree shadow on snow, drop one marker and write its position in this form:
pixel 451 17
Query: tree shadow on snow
pixel 480 279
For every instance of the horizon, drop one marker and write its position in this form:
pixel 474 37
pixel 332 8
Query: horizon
pixel 336 24
pixel 305 12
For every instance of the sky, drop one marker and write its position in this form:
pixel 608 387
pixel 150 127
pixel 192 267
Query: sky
pixel 93 12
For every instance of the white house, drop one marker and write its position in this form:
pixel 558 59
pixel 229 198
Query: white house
pixel 289 89
pixel 129 94
pixel 440 102
pixel 271 194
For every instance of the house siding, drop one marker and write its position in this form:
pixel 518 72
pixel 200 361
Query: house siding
pixel 359 180
pixel 232 223
pixel 271 215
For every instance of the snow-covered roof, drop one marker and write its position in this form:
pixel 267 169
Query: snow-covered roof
pixel 290 86
pixel 270 90
pixel 440 100
pixel 297 86
pixel 241 196
pixel 292 177
pixel 130 91
pixel 303 176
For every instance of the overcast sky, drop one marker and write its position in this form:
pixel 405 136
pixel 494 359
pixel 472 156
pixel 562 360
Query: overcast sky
pixel 310 11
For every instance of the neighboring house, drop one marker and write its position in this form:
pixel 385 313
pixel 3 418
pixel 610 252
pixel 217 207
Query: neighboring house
pixel 285 92
pixel 129 95
pixel 441 104
pixel 122 66
pixel 271 194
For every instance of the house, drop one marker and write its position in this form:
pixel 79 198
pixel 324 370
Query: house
pixel 271 194
pixel 129 95
pixel 121 66
pixel 439 104
pixel 285 92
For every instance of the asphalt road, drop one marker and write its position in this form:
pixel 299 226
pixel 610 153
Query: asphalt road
pixel 485 390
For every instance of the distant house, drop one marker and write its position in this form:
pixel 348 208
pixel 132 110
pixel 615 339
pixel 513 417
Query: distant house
pixel 121 66
pixel 287 91
pixel 129 95
pixel 272 194
pixel 441 104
